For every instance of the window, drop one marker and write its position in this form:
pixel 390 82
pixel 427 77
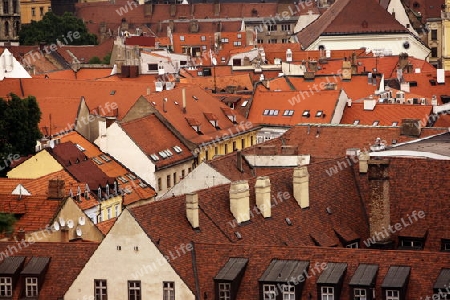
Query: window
pixel 234 146
pixel 272 27
pixel 169 291
pixel 259 41
pixel 189 170
pixel 327 293
pixel 394 123
pixel 226 148
pixel 41 11
pixel 285 27
pixel 116 210
pixel 375 123
pixel 224 291
pixel 168 181
pixel 134 290
pixel 181 37
pixel 272 41
pixel 305 114
pixel 239 35
pixel 15 6
pixel 236 62
pixel 411 244
pixel 33 11
pixel 216 150
pixel 159 184
pixel 31 287
pixel 237 43
pixel 109 212
pixel 352 245
pixel 445 245
pixel 269 292
pixel 392 295
pixel 319 114
pixel 284 41
pixel 242 143
pixel 224 40
pixel 288 292
pixel 434 52
pixel 251 140
pixel 100 290
pixel 174 178
pixel 288 112
pixel 206 154
pixel 356 122
pixel 6 28
pixel 5 6
pixel 152 67
pixel 5 287
pixel 203 38
pixel 434 34
pixel 99 217
pixel 360 294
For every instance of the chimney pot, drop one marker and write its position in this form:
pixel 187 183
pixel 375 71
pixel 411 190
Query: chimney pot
pixel 240 200
pixel 192 209
pixel 262 193
pixel 301 186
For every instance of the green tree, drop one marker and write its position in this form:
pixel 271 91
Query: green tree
pixel 67 29
pixel 7 222
pixel 94 60
pixel 107 59
pixel 19 130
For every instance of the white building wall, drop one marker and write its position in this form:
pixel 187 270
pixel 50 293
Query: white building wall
pixel 118 144
pixel 146 264
pixel 305 20
pixel 171 62
pixel 340 106
pixel 252 54
pixel 395 6
pixel 202 177
pixel 394 42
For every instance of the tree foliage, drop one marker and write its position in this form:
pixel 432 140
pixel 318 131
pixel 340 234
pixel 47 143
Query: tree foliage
pixel 52 28
pixel 7 222
pixel 19 130
pixel 95 60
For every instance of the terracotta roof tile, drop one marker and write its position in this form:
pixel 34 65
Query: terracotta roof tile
pixel 85 52
pixel 106 226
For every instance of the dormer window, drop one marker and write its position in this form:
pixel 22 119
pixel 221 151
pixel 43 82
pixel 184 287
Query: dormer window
pixel 31 287
pixel 445 245
pixel 5 287
pixel 33 276
pixel 305 114
pixel 395 283
pixel 213 120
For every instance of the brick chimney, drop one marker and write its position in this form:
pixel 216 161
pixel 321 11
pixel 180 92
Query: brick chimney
pixel 240 200
pixel 192 209
pixel 301 186
pixel 64 234
pixel 262 194
pixel 379 204
pixel 56 189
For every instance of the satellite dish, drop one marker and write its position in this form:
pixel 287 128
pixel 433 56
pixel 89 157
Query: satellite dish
pixel 70 223
pixel 56 226
pixel 79 232
pixel 81 221
pixel 62 222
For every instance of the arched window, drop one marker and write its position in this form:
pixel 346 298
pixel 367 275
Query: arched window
pixel 16 28
pixel 6 29
pixel 5 6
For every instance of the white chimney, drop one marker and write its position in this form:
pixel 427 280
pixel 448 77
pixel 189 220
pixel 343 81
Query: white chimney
pixel 363 162
pixel 349 102
pixel 262 194
pixel 240 200
pixel 301 186
pixel 369 104
pixel 192 209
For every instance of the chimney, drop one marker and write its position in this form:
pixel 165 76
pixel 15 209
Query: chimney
pixel 240 200
pixel 239 161
pixel 183 95
pixel 64 234
pixel 346 70
pixel 56 189
pixel 379 206
pixel 20 235
pixel 262 194
pixel 301 186
pixel 192 209
pixel 363 159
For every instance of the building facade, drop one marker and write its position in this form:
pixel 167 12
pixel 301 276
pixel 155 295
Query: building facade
pixel 33 10
pixel 10 20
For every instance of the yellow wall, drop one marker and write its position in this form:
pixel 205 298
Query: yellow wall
pixel 41 164
pixel 446 37
pixel 226 144
pixel 110 203
pixel 26 10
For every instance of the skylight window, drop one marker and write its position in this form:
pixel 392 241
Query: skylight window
pixel 154 157
pixel 356 122
pixel 168 152
pixel 131 176
pixel 181 37
pixel 195 97
pixel 80 148
pixel 162 154
pixel 122 179
pixel 305 114
pixel 113 92
pixel 244 103
pixel 203 38
pixel 375 123
pixel 288 112
pixel 394 123
pixel 97 160
pixel 266 112
pixel 177 149
pixel 319 113
pixel 105 158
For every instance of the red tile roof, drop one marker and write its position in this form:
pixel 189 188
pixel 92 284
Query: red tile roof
pixel 66 262
pixel 385 113
pixel 85 52
pixel 106 226
pixel 238 81
pixel 145 131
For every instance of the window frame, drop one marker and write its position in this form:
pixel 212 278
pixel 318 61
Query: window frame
pixel 392 297
pixel 224 287
pixel 360 296
pixel 433 34
pixel 327 292
pixel 270 293
pixel 5 286
pixel 289 291
pixel 168 290
pixel 99 287
pixel 136 287
pixel 31 286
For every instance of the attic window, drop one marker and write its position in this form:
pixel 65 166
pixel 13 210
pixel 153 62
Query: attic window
pixel 319 113
pixel 105 158
pixel 375 123
pixel 113 92
pixel 356 122
pixel 80 148
pixel 195 97
pixel 97 160
pixel 288 112
pixel 181 37
pixel 244 103
pixel 305 114
pixel 239 35
pixel 122 179
pixel 177 149
pixel 154 157
pixel 394 123
pixel 131 176
pixel 203 38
